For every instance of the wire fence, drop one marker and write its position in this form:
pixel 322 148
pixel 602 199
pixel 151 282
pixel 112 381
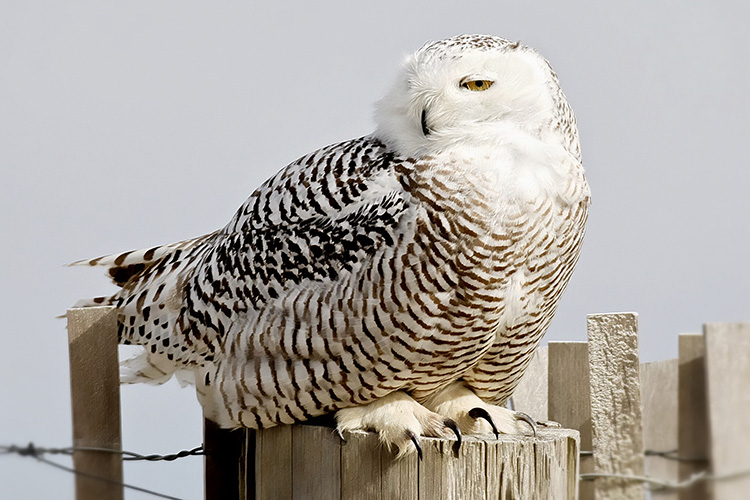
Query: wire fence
pixel 559 367
pixel 655 484
pixel 38 453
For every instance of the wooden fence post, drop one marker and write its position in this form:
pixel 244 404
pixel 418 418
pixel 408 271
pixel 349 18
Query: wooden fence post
pixel 273 452
pixel 530 396
pixel 306 462
pixel 569 399
pixel 693 414
pixel 659 403
pixel 229 462
pixel 95 396
pixel 727 379
pixel 616 425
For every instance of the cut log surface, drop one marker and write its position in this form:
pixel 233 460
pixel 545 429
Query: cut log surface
pixel 309 462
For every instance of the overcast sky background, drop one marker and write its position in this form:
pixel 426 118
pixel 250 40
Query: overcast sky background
pixel 128 124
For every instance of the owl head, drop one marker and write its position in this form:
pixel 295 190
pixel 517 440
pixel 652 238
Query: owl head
pixel 470 90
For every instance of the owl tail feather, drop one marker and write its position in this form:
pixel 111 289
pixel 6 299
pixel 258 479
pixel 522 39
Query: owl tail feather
pixel 124 266
pixel 154 369
pixel 147 368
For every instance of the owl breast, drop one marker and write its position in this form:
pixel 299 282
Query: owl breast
pixel 501 232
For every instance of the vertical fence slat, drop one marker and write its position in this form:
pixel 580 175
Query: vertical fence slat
pixel 316 463
pixel 727 379
pixel 659 400
pixel 531 394
pixel 273 463
pixel 95 398
pixel 693 414
pixel 369 472
pixel 397 475
pixel 226 462
pixel 569 398
pixel 616 425
pixel 443 476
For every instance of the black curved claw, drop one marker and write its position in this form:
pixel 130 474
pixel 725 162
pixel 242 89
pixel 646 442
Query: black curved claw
pixel 522 416
pixel 480 412
pixel 451 424
pixel 414 440
pixel 341 435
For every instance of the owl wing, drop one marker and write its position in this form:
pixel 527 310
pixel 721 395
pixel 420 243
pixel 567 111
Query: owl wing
pixel 307 228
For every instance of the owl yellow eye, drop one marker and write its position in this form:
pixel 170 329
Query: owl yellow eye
pixel 477 85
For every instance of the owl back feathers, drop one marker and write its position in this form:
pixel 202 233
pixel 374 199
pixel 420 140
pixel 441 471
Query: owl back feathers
pixel 315 219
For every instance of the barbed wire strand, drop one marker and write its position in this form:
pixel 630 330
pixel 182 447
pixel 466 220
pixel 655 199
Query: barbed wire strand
pixel 672 455
pixel 32 451
pixel 659 484
pixel 106 480
pixel 668 454
pixel 662 484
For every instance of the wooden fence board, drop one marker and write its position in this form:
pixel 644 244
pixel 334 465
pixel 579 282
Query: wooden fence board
pixel 727 379
pixel 225 462
pixel 369 472
pixel 443 476
pixel 693 414
pixel 324 467
pixel 316 463
pixel 616 425
pixel 397 479
pixel 273 463
pixel 569 399
pixel 530 395
pixel 95 398
pixel 659 405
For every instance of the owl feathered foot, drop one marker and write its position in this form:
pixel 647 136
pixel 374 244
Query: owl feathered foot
pixel 474 416
pixel 399 421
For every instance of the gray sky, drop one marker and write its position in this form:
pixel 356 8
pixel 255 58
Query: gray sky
pixel 128 124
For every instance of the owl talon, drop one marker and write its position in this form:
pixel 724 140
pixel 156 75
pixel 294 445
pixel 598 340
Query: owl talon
pixel 521 416
pixel 398 419
pixel 475 416
pixel 341 435
pixel 549 424
pixel 415 440
pixel 479 412
pixel 451 424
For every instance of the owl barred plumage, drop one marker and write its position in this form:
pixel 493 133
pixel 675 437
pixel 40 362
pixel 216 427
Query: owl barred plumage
pixel 402 280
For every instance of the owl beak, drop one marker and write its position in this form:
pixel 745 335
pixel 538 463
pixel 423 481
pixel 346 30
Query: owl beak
pixel 425 128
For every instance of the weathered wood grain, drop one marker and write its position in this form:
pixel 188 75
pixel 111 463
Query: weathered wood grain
pixel 95 397
pixel 728 395
pixel 616 423
pixel 569 399
pixel 369 472
pixel 225 462
pixel 693 414
pixel 316 463
pixel 530 395
pixel 273 463
pixel 444 476
pixel 324 467
pixel 659 405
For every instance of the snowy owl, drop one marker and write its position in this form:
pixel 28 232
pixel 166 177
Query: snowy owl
pixel 400 281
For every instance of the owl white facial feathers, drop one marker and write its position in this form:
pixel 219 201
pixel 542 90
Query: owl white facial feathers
pixel 400 281
pixel 520 92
